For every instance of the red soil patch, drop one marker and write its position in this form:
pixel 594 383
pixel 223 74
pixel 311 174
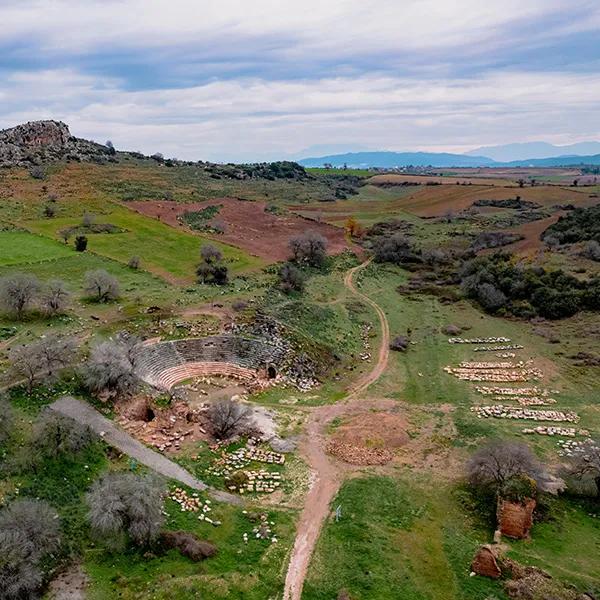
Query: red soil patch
pixel 248 226
pixel 369 439
pixel 532 231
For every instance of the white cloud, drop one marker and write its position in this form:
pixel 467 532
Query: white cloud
pixel 246 119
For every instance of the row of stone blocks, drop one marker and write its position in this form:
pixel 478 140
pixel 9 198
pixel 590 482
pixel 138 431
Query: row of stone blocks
pixel 164 363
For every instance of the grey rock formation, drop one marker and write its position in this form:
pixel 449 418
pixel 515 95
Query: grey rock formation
pixel 41 142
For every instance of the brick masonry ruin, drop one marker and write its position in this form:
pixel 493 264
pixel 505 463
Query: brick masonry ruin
pixel 515 519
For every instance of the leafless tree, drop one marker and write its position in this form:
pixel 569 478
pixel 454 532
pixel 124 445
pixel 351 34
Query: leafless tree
pixel 134 262
pixel 55 435
pixel 290 278
pixel 228 418
pixel 101 285
pixel 309 247
pixel 110 368
pixel 54 297
pixel 29 531
pixel 586 463
pixel 126 506
pixel 7 419
pixel 210 254
pixel 42 359
pixel 17 292
pixel 88 219
pixel 497 462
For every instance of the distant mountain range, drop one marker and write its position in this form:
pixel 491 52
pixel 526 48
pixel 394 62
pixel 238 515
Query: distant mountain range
pixel 527 150
pixel 474 158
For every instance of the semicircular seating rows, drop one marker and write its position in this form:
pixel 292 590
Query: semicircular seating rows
pixel 164 364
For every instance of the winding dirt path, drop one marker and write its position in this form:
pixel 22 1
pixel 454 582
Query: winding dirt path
pixel 326 474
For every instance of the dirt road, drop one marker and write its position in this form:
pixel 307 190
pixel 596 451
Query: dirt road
pixel 327 475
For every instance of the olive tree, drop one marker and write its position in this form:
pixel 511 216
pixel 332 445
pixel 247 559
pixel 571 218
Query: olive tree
pixel 290 278
pixel 496 463
pixel 17 292
pixel 211 268
pixel 110 368
pixel 7 419
pixel 101 286
pixel 43 359
pixel 54 297
pixel 309 247
pixel 586 463
pixel 228 418
pixel 29 533
pixel 126 506
pixel 55 435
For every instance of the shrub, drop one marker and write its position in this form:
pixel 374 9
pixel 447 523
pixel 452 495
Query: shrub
pixel 188 544
pixel 17 292
pixel 29 533
pixel 309 248
pixel 101 286
pixel 518 488
pixel 399 343
pixel 211 269
pixel 228 418
pixel 49 211
pixel 81 243
pixel 592 250
pixel 395 249
pixel 125 506
pixel 291 278
pixel 134 262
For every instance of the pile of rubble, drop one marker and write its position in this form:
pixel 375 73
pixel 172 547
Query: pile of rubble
pixel 505 355
pixel 262 481
pixel 494 374
pixel 231 462
pixel 509 391
pixel 527 400
pixel 365 332
pixel 356 455
pixel 501 411
pixel 573 447
pixel 498 348
pixel 488 340
pixel 193 503
pixel 262 531
pixel 549 430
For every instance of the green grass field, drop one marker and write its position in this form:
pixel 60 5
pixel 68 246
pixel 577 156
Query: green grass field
pixel 163 250
pixel 17 247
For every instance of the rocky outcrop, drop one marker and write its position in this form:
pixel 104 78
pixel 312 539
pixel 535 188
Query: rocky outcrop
pixel 485 562
pixel 515 519
pixel 41 142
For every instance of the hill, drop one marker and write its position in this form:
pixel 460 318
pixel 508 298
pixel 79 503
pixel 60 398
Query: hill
pixel 397 159
pixel 37 142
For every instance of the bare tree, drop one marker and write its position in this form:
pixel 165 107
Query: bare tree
pixel 42 359
pixel 55 435
pixel 126 506
pixel 17 292
pixel 134 262
pixel 586 463
pixel 101 285
pixel 210 254
pixel 29 532
pixel 290 278
pixel 54 297
pixel 228 418
pixel 7 419
pixel 309 247
pixel 110 369
pixel 496 463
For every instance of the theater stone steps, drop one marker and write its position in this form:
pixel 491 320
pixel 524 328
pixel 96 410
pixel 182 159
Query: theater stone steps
pixel 163 364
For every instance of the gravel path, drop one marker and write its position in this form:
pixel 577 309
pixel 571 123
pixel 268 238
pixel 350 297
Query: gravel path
pixel 114 436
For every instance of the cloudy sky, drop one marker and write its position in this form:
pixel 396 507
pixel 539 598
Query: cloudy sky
pixel 264 79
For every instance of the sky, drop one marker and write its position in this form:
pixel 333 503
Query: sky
pixel 234 80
